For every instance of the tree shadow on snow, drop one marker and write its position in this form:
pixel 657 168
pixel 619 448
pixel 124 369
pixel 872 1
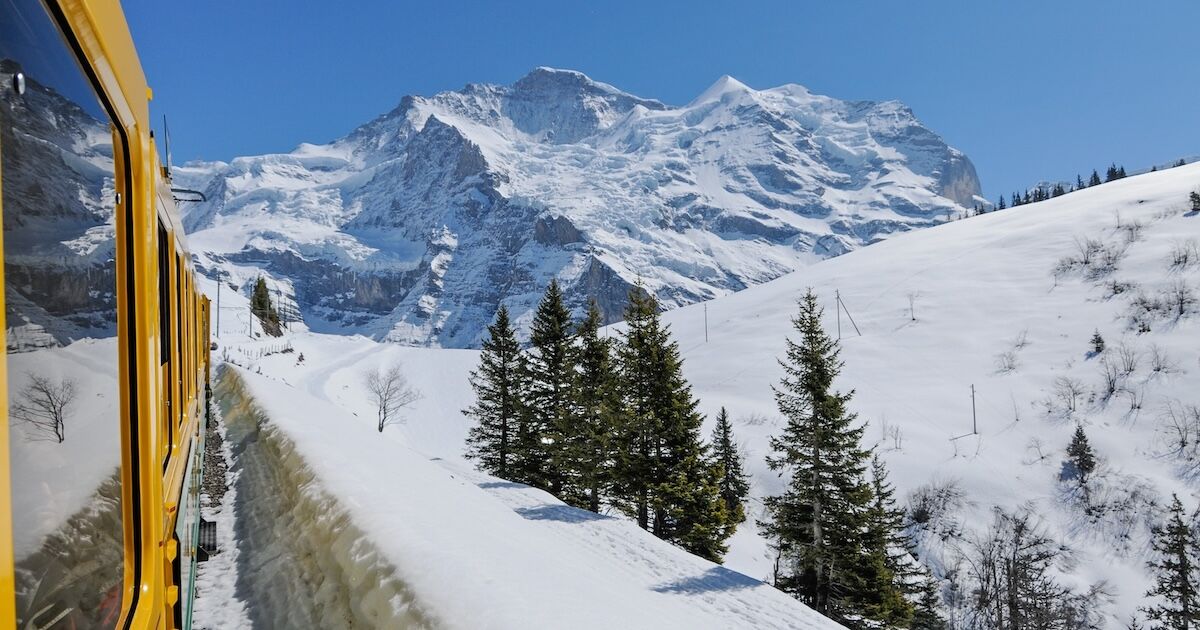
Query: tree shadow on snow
pixel 714 579
pixel 487 485
pixel 560 513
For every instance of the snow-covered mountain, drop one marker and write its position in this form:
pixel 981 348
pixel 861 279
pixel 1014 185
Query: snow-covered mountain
pixel 417 225
pixel 58 217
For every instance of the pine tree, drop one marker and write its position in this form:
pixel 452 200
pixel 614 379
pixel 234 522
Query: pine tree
pixel 1097 343
pixel 926 609
pixel 1016 200
pixel 261 307
pixel 663 477
pixel 1095 179
pixel 1058 191
pixel 815 525
pixel 735 483
pixel 1194 198
pixel 1181 162
pixel 885 569
pixel 1000 204
pixel 499 388
pixel 1175 573
pixel 550 404
pixel 1121 172
pixel 1080 457
pixel 1079 185
pixel 1112 174
pixel 599 404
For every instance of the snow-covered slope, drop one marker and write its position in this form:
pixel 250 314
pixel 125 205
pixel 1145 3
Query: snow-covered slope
pixel 479 552
pixel 417 225
pixel 1001 302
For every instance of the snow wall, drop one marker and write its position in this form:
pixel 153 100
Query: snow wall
pixel 302 563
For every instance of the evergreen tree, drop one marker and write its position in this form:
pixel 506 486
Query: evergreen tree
pixel 735 483
pixel 663 477
pixel 262 308
pixel 1121 172
pixel 1000 204
pixel 1095 179
pixel 1079 185
pixel 1175 573
pixel 815 525
pixel 599 404
pixel 499 388
pixel 1016 200
pixel 1111 174
pixel 550 403
pixel 1027 198
pixel 926 609
pixel 1194 198
pixel 1058 191
pixel 1097 343
pixel 885 570
pixel 1181 162
pixel 1081 459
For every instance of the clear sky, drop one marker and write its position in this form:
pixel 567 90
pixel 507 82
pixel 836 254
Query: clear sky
pixel 1029 90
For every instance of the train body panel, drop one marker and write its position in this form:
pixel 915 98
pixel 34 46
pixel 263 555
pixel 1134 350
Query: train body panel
pixel 120 327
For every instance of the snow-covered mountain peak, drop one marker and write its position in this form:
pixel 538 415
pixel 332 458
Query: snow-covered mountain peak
pixel 415 226
pixel 726 85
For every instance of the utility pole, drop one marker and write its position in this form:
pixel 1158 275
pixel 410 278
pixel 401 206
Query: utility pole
pixel 974 421
pixel 837 294
pixel 706 322
pixel 218 307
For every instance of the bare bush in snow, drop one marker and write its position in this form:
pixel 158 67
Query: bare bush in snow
pixel 1111 376
pixel 932 506
pixel 1184 254
pixel 43 405
pixel 1069 392
pixel 1006 361
pixel 390 392
pixel 1161 362
pixel 1179 429
pixel 1179 299
pixel 1127 358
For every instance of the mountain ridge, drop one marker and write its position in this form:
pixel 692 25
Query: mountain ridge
pixel 416 225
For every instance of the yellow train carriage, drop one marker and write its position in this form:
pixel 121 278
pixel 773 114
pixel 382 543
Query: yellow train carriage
pixel 105 374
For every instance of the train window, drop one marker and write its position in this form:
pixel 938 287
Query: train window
pixel 164 293
pixel 59 192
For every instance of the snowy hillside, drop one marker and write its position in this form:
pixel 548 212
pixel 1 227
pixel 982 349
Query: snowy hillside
pixel 1006 302
pixel 416 226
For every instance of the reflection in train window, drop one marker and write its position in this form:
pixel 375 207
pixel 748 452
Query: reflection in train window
pixel 56 147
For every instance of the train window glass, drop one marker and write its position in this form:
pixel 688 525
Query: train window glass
pixel 164 292
pixel 59 191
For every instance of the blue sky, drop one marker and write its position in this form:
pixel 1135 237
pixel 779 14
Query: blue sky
pixel 1029 90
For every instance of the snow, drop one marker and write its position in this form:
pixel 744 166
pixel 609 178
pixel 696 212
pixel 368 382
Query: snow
pixel 745 185
pixel 984 290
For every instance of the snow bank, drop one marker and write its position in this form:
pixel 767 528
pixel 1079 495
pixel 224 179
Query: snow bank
pixel 302 563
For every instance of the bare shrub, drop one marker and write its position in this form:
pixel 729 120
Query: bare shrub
pixel 1178 299
pixel 1132 231
pixel 1021 340
pixel 1161 362
pixel 1110 376
pixel 1006 361
pixel 1113 288
pixel 1179 428
pixel 1069 392
pixel 1184 254
pixel 43 405
pixel 1127 359
pixel 932 505
pixel 390 391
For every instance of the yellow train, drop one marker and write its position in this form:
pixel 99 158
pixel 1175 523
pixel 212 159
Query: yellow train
pixel 106 373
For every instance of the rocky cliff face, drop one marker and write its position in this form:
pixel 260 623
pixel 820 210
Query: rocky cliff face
pixel 417 225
